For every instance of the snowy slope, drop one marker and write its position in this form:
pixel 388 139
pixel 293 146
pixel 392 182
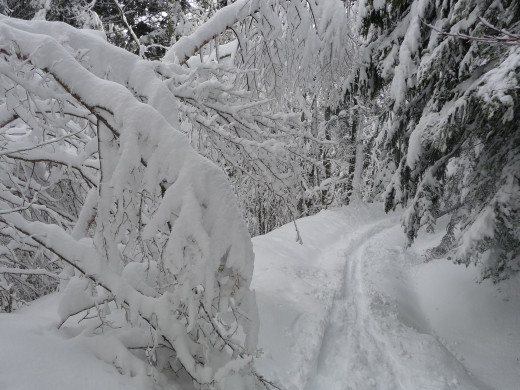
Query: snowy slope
pixel 348 309
pixel 478 323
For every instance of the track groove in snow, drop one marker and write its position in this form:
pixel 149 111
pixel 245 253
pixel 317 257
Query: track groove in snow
pixel 312 277
pixel 349 310
pixel 367 344
pixel 348 329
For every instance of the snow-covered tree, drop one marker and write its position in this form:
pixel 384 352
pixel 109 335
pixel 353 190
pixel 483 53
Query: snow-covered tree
pixel 287 154
pixel 449 140
pixel 292 56
pixel 146 28
pixel 100 189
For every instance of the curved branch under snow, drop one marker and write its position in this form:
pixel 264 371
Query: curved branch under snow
pixel 223 19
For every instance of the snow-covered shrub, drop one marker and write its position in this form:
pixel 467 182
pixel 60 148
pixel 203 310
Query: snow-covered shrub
pixel 95 177
pixel 279 73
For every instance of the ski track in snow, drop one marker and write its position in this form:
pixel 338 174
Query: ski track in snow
pixel 294 316
pixel 361 324
pixel 367 343
pixel 349 352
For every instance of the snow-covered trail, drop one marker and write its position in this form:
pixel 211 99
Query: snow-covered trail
pixel 371 342
pixel 352 309
pixel 296 286
pixel 350 354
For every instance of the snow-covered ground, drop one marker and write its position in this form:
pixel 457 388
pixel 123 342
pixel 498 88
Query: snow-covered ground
pixel 351 308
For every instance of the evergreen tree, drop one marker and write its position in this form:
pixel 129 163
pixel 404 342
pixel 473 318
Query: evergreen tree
pixel 449 137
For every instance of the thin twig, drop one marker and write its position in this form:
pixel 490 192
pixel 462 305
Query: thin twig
pixel 509 39
pixel 7 152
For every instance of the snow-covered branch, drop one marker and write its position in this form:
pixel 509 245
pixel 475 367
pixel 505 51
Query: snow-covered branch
pixel 143 195
pixel 223 19
pixel 506 37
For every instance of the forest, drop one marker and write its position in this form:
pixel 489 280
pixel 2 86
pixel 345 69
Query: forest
pixel 144 142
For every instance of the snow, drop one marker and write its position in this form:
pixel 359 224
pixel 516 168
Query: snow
pixel 404 72
pixel 295 287
pixel 35 355
pixel 491 315
pixel 350 308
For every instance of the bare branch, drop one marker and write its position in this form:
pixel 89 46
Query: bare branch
pixel 140 49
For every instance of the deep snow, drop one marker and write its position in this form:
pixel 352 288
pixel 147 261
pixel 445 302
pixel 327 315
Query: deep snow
pixel 385 319
pixel 351 308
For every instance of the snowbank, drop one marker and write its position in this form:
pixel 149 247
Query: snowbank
pixel 35 355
